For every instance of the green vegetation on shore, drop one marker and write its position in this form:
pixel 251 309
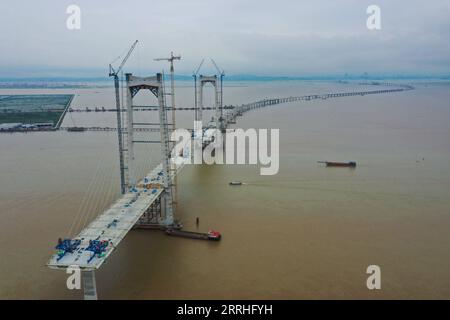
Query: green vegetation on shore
pixel 33 108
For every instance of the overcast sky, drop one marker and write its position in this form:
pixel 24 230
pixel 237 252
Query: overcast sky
pixel 275 37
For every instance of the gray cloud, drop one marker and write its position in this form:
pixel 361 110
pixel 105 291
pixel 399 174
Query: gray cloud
pixel 258 36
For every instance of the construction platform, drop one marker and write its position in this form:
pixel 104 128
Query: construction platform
pixel 110 227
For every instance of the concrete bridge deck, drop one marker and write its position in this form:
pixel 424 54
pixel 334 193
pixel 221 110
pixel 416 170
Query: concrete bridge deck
pixel 116 221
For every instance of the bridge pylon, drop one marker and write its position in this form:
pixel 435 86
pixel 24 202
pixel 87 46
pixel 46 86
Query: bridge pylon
pixel 203 80
pixel 156 85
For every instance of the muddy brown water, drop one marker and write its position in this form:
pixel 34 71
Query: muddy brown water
pixel 307 232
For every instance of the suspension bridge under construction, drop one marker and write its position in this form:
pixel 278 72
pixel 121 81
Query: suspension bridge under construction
pixel 148 201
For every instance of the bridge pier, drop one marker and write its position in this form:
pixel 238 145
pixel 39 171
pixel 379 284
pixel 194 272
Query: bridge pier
pixel 152 216
pixel 89 285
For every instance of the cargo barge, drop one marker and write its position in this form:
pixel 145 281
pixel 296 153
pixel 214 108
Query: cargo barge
pixel 350 164
pixel 211 235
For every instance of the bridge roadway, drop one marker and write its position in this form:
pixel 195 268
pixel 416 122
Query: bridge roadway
pixel 116 221
pixel 230 117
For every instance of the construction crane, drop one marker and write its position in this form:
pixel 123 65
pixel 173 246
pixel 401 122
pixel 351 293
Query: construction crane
pixel 222 74
pixel 194 74
pixel 172 93
pixel 172 82
pixel 115 73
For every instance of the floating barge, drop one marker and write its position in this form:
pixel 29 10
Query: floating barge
pixel 350 164
pixel 76 129
pixel 211 235
pixel 177 231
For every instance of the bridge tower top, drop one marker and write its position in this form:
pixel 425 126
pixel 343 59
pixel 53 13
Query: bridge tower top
pixel 206 79
pixel 135 84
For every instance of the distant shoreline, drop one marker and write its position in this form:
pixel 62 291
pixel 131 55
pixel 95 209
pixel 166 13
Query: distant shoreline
pixel 184 81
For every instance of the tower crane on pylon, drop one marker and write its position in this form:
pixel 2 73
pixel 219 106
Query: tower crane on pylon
pixel 115 73
pixel 172 82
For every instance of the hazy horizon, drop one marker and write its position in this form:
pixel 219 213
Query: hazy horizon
pixel 239 77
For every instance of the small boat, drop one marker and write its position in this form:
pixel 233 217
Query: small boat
pixel 350 164
pixel 214 235
pixel 235 183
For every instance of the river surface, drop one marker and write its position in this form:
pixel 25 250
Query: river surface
pixel 306 232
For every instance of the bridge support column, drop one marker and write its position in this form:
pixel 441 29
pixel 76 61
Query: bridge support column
pixel 165 155
pixel 200 104
pixel 89 285
pixel 130 178
pixel 217 110
pixel 217 107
